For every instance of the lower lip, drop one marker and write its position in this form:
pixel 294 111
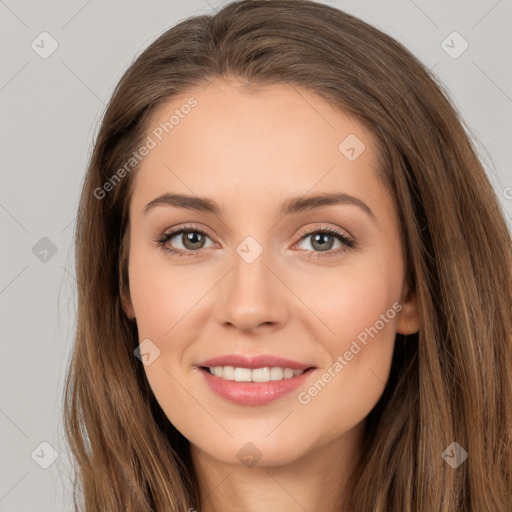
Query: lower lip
pixel 253 393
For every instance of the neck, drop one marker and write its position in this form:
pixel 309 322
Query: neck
pixel 314 481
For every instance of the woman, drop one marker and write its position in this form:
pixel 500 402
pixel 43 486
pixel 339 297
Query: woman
pixel 225 358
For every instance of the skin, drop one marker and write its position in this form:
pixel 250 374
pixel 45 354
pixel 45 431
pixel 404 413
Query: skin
pixel 251 151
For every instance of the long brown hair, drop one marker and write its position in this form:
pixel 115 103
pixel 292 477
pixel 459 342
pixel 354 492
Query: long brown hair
pixel 450 382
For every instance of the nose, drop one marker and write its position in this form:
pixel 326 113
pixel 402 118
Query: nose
pixel 253 296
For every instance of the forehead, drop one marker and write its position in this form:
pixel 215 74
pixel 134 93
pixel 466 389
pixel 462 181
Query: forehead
pixel 255 143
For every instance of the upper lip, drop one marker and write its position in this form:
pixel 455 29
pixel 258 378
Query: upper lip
pixel 259 361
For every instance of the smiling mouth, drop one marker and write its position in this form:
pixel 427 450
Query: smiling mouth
pixel 263 374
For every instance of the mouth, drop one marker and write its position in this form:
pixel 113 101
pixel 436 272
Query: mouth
pixel 253 381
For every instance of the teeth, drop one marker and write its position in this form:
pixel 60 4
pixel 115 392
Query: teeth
pixel 276 374
pixel 260 374
pixel 257 375
pixel 241 374
pixel 288 373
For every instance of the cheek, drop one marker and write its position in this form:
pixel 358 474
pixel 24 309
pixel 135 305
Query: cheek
pixel 360 309
pixel 161 294
pixel 349 300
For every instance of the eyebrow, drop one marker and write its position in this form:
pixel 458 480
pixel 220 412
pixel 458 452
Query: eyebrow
pixel 290 206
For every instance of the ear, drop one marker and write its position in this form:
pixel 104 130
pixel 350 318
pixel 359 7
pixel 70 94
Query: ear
pixel 127 305
pixel 124 287
pixel 409 319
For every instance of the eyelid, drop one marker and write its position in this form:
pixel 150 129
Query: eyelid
pixel 325 228
pixel 174 230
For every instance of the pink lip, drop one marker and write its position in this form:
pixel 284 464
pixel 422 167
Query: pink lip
pixel 252 362
pixel 253 393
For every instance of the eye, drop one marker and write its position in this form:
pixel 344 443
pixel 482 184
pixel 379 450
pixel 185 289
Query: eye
pixel 191 238
pixel 322 241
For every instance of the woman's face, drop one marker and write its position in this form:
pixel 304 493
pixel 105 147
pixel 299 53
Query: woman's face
pixel 258 275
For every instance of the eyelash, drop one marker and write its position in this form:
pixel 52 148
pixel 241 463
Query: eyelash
pixel 349 243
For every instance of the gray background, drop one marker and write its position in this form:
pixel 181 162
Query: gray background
pixel 50 111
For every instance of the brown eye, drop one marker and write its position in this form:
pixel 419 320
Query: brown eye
pixel 191 240
pixel 184 241
pixel 324 240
